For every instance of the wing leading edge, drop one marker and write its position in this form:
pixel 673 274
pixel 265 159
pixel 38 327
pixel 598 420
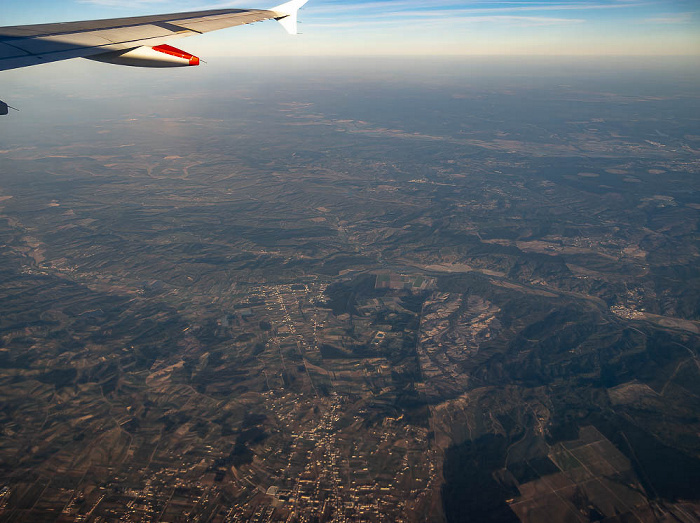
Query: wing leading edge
pixel 23 46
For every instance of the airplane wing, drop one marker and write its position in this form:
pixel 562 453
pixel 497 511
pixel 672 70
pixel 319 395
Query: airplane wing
pixel 136 41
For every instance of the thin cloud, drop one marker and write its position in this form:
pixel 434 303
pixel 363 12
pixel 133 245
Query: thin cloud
pixel 393 6
pixel 520 21
pixel 681 18
pixel 122 3
pixel 399 6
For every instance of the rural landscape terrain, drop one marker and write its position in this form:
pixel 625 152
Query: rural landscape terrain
pixel 356 298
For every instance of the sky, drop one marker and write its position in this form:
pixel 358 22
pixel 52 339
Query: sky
pixel 419 27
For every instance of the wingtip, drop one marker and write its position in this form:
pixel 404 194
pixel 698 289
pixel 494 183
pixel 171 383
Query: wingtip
pixel 288 15
pixel 5 109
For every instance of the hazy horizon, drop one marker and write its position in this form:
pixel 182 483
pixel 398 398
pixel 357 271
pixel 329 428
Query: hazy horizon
pixel 369 28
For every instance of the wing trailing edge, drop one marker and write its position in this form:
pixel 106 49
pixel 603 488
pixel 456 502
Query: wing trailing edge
pixel 22 46
pixel 136 41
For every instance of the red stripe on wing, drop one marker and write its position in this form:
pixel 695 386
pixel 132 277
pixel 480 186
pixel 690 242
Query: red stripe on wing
pixel 174 51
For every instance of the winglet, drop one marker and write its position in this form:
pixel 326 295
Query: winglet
pixel 288 15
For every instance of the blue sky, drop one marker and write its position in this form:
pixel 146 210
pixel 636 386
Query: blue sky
pixel 412 27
